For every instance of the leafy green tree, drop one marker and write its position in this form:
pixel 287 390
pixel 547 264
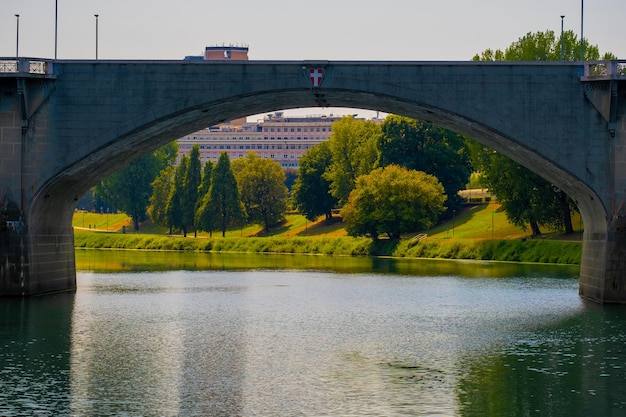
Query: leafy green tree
pixel 527 198
pixel 173 208
pixel 167 155
pixel 162 184
pixel 393 200
pixel 424 147
pixel 311 192
pixel 205 184
pixel 262 189
pixel 189 195
pixel 290 177
pixel 221 206
pixel 129 188
pixel 161 189
pixel 544 46
pixel 353 145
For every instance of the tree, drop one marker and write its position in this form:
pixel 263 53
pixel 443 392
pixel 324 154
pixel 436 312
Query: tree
pixel 161 190
pixel 354 153
pixel 203 191
pixel 393 200
pixel 173 208
pixel 162 184
pixel 129 188
pixel 311 192
pixel 221 206
pixel 167 155
pixel 424 147
pixel 527 198
pixel 290 176
pixel 262 189
pixel 189 195
pixel 544 46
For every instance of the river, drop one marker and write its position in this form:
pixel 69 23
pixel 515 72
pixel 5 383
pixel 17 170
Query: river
pixel 153 334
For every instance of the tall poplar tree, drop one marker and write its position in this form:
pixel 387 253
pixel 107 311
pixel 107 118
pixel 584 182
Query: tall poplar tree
pixel 189 195
pixel 203 190
pixel 161 190
pixel 174 202
pixel 221 206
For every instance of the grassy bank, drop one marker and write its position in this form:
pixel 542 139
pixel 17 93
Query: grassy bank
pixel 480 232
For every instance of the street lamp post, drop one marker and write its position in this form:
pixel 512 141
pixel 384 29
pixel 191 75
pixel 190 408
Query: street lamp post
pixel 582 13
pixel 17 38
pixel 453 220
pixel 96 35
pixel 562 17
pixel 56 26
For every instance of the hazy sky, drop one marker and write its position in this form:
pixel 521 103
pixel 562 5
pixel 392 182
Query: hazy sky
pixel 433 30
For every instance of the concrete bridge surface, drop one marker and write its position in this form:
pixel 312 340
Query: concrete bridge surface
pixel 64 125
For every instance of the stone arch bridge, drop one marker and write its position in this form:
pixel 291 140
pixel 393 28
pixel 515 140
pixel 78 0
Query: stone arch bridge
pixel 64 125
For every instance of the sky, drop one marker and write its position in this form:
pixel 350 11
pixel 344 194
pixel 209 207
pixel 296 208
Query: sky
pixel 405 30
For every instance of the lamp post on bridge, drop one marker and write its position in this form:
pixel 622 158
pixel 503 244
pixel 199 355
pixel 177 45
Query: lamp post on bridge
pixel 56 25
pixel 96 35
pixel 17 38
pixel 582 13
pixel 562 17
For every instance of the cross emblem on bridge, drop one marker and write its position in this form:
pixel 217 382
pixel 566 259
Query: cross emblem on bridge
pixel 316 75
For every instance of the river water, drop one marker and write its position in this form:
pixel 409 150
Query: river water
pixel 328 337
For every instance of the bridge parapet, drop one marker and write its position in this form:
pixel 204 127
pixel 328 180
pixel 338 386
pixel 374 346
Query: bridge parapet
pixel 604 70
pixel 37 67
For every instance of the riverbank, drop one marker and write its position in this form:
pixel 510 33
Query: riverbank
pixel 477 233
pixel 517 250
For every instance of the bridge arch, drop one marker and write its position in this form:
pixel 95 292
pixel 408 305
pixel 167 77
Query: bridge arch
pixel 104 114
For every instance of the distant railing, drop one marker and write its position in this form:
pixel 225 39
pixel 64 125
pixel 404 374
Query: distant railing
pixel 35 66
pixel 604 70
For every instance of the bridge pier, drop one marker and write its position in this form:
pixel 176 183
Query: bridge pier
pixel 36 235
pixel 36 259
pixel 603 268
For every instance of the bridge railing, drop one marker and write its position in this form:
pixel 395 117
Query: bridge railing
pixel 34 66
pixel 605 70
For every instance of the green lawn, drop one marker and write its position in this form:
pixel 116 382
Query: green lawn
pixel 480 222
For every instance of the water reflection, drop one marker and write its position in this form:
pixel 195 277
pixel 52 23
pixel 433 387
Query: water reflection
pixel 575 367
pixel 119 261
pixel 138 347
pixel 414 338
pixel 35 340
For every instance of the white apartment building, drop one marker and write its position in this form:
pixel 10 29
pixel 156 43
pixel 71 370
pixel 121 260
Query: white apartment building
pixel 281 138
